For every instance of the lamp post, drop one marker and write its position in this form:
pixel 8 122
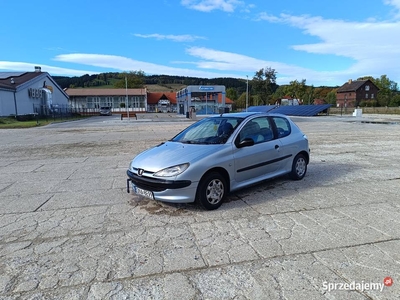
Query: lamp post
pixel 247 91
pixel 206 105
pixel 127 99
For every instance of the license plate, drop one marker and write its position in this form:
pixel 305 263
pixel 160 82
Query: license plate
pixel 142 192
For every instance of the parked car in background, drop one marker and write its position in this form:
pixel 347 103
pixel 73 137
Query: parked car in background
pixel 218 155
pixel 105 111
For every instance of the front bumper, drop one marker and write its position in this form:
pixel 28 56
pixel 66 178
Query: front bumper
pixel 156 184
pixel 177 191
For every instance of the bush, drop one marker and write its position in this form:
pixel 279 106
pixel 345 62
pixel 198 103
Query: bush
pixel 27 117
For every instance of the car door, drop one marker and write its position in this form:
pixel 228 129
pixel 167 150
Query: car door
pixel 288 146
pixel 260 159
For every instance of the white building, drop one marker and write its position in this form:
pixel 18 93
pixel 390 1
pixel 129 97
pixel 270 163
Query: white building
pixel 24 93
pixel 91 99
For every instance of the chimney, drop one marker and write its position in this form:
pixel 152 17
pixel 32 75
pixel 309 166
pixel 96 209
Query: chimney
pixel 350 81
pixel 38 69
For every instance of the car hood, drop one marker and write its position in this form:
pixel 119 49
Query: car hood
pixel 170 154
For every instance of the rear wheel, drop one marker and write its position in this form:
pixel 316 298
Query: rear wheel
pixel 211 191
pixel 299 167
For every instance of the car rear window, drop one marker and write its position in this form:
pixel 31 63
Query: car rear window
pixel 282 126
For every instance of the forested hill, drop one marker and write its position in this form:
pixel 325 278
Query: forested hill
pixel 107 80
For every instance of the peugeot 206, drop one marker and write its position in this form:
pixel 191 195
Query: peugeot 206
pixel 218 155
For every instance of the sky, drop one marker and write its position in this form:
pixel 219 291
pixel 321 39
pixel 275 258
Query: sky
pixel 324 42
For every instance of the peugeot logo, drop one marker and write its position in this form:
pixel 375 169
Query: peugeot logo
pixel 140 172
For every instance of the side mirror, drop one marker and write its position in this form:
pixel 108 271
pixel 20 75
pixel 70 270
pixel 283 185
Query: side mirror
pixel 247 142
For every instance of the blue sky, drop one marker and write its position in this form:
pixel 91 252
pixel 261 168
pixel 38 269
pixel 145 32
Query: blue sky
pixel 325 42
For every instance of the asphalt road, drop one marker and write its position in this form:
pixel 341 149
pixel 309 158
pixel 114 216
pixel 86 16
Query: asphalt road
pixel 69 230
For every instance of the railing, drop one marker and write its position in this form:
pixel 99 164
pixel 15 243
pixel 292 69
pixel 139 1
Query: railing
pixel 365 110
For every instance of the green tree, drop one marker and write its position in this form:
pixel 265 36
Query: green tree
pixel 264 85
pixel 281 92
pixel 134 80
pixel 298 89
pixel 331 97
pixel 395 101
pixel 387 90
pixel 240 103
pixel 231 93
pixel 309 95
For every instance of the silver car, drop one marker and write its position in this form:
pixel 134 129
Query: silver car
pixel 218 155
pixel 105 111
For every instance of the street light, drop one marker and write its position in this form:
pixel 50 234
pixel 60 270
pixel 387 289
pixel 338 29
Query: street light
pixel 127 99
pixel 206 105
pixel 247 91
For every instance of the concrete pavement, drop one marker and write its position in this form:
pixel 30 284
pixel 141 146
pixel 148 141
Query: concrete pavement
pixel 69 230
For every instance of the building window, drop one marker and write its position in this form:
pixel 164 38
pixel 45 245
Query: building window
pixel 367 87
pixel 366 96
pixel 372 96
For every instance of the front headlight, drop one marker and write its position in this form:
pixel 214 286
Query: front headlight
pixel 172 171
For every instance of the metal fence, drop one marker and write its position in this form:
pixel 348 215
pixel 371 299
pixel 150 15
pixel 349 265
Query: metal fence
pixel 58 112
pixel 67 111
pixel 365 110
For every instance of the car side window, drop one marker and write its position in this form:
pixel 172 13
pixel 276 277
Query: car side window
pixel 282 126
pixel 266 129
pixel 258 129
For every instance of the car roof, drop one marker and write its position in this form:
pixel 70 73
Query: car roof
pixel 239 114
pixel 248 114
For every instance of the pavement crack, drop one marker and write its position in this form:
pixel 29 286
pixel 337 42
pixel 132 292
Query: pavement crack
pixel 43 203
pixel 8 186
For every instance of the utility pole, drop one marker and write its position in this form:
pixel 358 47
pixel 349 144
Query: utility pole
pixel 247 92
pixel 127 99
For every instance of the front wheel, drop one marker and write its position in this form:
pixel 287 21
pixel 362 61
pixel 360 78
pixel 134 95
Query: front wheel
pixel 211 191
pixel 299 167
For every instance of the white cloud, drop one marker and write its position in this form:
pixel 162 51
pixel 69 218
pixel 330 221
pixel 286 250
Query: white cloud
pixel 175 38
pixel 209 63
pixel 120 63
pixel 396 5
pixel 227 61
pixel 25 67
pixel 210 5
pixel 373 46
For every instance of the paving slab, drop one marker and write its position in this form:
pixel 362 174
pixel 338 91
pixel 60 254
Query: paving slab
pixel 69 230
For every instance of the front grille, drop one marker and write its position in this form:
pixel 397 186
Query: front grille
pixel 156 184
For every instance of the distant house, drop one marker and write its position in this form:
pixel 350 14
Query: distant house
pixel 166 102
pixel 319 101
pixel 161 102
pixel 139 100
pixel 353 92
pixel 287 100
pixel 210 104
pixel 25 93
pixel 91 99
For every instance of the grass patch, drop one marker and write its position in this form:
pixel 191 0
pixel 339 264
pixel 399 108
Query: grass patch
pixel 12 122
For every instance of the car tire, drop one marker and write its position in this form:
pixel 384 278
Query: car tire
pixel 211 191
pixel 299 167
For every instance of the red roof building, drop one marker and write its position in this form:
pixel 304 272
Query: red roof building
pixel 139 100
pixel 353 92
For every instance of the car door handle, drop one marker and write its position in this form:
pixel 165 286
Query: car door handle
pixel 276 146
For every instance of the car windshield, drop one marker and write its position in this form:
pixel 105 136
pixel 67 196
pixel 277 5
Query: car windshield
pixel 215 130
